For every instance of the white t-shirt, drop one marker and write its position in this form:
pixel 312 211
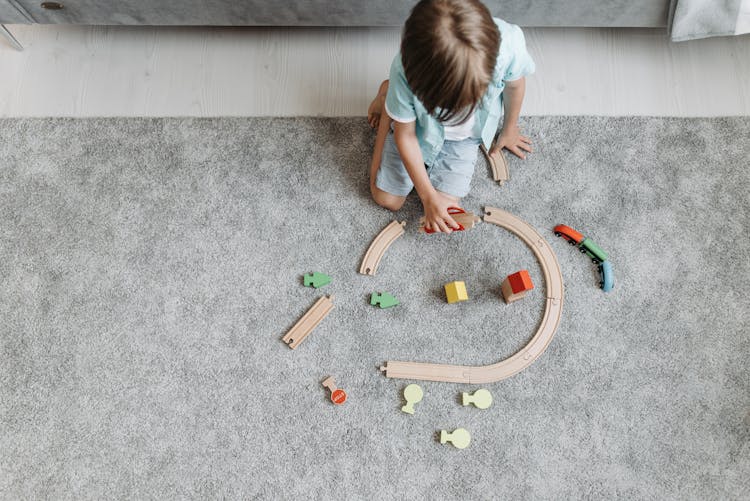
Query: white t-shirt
pixel 460 132
pixel 453 132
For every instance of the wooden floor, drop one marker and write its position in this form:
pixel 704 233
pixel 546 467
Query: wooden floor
pixel 146 71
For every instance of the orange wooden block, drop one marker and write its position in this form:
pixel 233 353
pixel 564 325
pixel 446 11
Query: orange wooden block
pixel 516 286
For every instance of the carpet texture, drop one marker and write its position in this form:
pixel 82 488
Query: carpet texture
pixel 150 267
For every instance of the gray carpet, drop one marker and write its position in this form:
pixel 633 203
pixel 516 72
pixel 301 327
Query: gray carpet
pixel 150 267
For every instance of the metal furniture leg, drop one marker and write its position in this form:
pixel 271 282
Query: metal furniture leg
pixel 4 33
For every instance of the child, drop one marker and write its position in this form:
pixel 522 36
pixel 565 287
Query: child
pixel 445 93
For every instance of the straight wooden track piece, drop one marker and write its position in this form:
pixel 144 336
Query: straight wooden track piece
pixel 309 321
pixel 499 165
pixel 539 342
pixel 378 247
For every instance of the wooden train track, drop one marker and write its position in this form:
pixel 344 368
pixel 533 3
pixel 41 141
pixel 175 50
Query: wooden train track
pixel 378 247
pixel 499 165
pixel 539 342
pixel 309 321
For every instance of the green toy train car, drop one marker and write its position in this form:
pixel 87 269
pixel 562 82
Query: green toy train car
pixel 592 250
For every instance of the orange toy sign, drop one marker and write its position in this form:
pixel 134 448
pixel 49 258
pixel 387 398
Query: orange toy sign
pixel 338 397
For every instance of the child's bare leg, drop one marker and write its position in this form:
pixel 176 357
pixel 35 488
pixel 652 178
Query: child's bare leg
pixel 384 127
pixel 377 106
pixel 382 198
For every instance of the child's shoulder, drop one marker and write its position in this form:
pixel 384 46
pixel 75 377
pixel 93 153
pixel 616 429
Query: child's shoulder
pixel 513 60
pixel 508 31
pixel 512 40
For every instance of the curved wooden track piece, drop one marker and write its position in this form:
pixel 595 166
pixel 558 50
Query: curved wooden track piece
pixel 500 171
pixel 309 321
pixel 378 247
pixel 539 342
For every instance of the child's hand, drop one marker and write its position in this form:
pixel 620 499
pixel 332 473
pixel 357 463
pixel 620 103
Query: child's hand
pixel 436 217
pixel 511 139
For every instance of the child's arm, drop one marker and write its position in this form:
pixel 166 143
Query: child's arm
pixel 435 205
pixel 510 137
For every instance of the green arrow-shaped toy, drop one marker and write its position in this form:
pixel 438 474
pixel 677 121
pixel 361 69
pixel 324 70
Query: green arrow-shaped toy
pixel 316 280
pixel 384 300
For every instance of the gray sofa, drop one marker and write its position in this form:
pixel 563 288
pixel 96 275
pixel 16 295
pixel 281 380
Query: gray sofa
pixel 610 13
pixel 599 13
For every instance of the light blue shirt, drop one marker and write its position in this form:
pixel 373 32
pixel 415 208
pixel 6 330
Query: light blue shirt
pixel 513 62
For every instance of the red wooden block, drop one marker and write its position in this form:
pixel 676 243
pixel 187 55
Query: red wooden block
pixel 516 286
pixel 520 281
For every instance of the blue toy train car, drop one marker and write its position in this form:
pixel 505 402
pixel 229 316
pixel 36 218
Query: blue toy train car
pixel 607 281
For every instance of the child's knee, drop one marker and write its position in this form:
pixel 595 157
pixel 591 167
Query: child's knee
pixel 390 204
pixel 387 200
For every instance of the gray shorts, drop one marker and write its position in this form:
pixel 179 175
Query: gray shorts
pixel 451 173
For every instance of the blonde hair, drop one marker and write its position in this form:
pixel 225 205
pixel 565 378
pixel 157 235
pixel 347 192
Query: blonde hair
pixel 448 50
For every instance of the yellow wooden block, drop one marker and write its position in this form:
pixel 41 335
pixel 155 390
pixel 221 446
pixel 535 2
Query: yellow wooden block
pixel 455 292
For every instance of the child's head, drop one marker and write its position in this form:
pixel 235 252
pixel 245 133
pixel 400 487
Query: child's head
pixel 449 49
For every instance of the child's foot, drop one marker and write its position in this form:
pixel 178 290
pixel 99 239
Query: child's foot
pixel 377 106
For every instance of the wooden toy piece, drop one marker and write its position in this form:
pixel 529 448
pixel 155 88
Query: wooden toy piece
pixel 384 300
pixel 515 286
pixel 585 244
pixel 338 396
pixel 481 399
pixel 499 165
pixel 572 236
pixel 378 247
pixel 595 252
pixel 309 321
pixel 590 248
pixel 607 281
pixel 412 394
pixel 316 279
pixel 539 341
pixel 460 438
pixel 455 292
pixel 465 219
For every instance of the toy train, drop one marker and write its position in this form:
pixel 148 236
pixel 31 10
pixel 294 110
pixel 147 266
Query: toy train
pixel 607 281
pixel 592 250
